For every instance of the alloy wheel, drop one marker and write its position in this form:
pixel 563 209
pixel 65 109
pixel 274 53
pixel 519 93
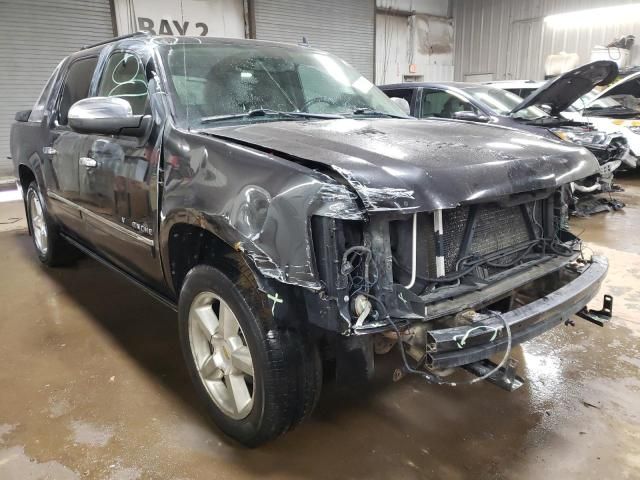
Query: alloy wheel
pixel 221 355
pixel 38 223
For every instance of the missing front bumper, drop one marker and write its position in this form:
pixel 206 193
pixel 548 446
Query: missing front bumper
pixel 461 345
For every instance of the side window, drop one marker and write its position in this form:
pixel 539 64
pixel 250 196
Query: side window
pixel 76 86
pixel 124 78
pixel 39 108
pixel 406 93
pixel 436 103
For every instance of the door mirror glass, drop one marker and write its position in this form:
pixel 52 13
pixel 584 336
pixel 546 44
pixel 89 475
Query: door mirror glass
pixel 403 104
pixel 103 115
pixel 22 116
pixel 470 116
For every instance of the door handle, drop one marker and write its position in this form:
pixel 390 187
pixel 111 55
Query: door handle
pixel 49 150
pixel 88 162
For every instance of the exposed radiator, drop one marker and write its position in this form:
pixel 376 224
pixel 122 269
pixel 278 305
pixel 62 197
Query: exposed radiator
pixel 496 228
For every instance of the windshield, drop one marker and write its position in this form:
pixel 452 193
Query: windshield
pixel 244 83
pixel 604 102
pixel 502 102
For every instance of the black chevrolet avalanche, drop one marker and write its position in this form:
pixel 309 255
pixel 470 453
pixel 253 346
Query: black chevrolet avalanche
pixel 296 219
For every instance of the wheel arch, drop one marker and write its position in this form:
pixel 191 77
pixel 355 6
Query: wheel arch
pixel 26 175
pixel 190 238
pixel 187 243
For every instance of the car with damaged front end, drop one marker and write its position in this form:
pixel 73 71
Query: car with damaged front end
pixel 296 219
pixel 540 113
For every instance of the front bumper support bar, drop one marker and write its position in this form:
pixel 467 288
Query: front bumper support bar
pixel 456 346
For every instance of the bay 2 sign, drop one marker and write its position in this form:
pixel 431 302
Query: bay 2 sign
pixel 165 27
pixel 213 18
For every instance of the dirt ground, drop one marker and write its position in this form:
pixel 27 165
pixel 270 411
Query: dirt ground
pixel 92 385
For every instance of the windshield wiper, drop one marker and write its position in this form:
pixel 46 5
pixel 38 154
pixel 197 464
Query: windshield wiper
pixel 375 113
pixel 266 112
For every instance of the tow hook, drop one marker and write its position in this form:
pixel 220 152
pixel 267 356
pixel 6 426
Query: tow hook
pixel 505 378
pixel 599 317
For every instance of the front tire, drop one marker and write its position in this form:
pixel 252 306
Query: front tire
pixel 52 249
pixel 256 379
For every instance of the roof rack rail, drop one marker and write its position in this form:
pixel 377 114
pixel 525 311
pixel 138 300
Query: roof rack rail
pixel 114 39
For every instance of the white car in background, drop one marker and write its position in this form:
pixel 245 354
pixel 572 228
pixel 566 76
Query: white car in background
pixel 615 109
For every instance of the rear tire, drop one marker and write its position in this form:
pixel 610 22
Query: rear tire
pixel 51 248
pixel 257 380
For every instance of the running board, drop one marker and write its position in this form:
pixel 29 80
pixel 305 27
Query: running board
pixel 504 378
pixel 159 297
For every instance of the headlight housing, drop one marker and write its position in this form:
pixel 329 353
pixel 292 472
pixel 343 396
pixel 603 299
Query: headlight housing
pixel 580 137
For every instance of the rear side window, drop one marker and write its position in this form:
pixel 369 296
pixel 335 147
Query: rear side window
pixel 124 77
pixel 76 85
pixel 39 108
pixel 436 103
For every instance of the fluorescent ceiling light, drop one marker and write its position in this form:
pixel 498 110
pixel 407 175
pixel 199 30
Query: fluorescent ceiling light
pixel 582 18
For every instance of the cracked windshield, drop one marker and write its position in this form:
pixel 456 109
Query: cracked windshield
pixel 222 84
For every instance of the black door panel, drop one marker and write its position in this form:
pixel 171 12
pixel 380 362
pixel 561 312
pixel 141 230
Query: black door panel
pixel 61 155
pixel 120 194
pixel 118 178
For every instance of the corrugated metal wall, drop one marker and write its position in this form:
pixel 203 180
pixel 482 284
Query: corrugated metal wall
pixel 34 36
pixel 508 39
pixel 344 28
pixel 422 40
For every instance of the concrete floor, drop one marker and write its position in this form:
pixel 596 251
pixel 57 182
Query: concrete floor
pixel 92 385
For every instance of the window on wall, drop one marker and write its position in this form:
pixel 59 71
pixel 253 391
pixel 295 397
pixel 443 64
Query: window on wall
pixel 124 78
pixel 441 104
pixel 76 86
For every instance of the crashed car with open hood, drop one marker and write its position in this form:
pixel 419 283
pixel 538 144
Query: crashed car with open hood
pixel 614 108
pixel 295 218
pixel 538 113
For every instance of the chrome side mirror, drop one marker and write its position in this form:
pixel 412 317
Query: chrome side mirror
pixel 403 104
pixel 105 115
pixel 470 116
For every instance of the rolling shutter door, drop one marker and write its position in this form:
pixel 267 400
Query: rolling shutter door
pixel 345 29
pixel 34 36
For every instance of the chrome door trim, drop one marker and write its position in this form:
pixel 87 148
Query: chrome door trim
pixel 104 221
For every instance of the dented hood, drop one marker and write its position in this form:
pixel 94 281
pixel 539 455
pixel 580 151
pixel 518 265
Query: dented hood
pixel 560 92
pixel 411 165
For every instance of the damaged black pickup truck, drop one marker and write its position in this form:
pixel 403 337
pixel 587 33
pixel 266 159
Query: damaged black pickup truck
pixel 296 219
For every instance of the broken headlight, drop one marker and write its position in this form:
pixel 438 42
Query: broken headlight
pixel 580 137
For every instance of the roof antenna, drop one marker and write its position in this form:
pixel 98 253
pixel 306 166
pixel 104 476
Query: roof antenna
pixel 304 42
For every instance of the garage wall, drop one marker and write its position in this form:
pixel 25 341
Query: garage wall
pixel 424 41
pixel 508 39
pixel 344 28
pixel 34 36
pixel 414 41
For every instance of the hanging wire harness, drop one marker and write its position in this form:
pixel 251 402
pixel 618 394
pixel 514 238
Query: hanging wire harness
pixel 359 274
